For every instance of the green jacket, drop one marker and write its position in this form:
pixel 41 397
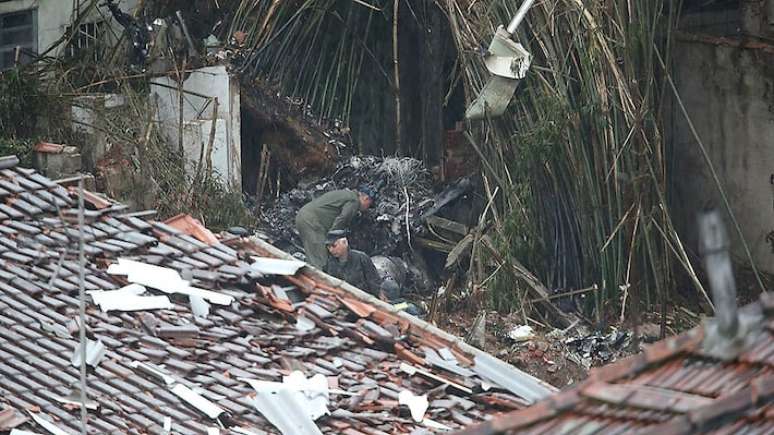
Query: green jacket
pixel 331 211
pixel 357 270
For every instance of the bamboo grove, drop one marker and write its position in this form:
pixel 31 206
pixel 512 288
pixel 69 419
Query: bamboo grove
pixel 579 163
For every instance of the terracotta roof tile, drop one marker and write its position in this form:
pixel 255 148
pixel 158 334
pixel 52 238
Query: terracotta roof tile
pixel 256 336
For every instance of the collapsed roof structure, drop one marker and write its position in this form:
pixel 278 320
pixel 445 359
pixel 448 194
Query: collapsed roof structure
pixel 190 333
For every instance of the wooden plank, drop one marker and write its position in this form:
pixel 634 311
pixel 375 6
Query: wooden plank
pixel 533 284
pixel 448 225
pixel 435 245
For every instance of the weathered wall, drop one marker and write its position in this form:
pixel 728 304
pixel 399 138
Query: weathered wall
pixel 729 94
pixel 53 17
pixel 201 87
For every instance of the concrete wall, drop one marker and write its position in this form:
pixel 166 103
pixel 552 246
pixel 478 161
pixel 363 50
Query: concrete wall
pixel 53 17
pixel 88 118
pixel 200 89
pixel 729 94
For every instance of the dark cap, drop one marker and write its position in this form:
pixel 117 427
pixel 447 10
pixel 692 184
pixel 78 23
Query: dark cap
pixel 334 235
pixel 368 191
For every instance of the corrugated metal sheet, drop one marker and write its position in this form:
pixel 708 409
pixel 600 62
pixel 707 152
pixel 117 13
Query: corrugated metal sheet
pixel 284 412
pixel 95 351
pixel 506 376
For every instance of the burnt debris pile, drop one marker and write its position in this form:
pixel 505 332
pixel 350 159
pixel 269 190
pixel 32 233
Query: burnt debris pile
pixel 404 195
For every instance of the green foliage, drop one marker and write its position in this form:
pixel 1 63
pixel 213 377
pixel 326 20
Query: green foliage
pixel 220 208
pixel 20 102
pixel 158 179
pixel 21 148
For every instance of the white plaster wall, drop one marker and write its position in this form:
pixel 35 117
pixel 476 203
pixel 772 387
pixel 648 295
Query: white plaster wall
pixel 729 94
pixel 199 88
pixel 53 17
pixel 196 137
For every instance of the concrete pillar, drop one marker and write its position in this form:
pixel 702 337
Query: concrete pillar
pixel 56 161
pixel 201 89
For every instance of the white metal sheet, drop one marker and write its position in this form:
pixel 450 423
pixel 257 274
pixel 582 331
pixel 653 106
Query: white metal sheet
pixel 47 425
pixel 194 399
pixel 276 266
pixel 164 279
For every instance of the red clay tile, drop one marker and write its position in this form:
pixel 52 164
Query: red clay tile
pixel 188 225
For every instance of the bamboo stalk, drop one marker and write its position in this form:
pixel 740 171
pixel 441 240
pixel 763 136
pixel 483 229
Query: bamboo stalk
pixel 396 77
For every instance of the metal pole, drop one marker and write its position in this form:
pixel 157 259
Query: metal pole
pixel 713 245
pixel 82 305
pixel 519 17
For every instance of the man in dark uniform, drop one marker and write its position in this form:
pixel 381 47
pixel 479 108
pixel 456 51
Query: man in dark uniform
pixel 331 211
pixel 352 266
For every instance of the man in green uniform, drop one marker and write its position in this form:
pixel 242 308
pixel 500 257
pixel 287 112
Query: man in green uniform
pixel 352 266
pixel 331 211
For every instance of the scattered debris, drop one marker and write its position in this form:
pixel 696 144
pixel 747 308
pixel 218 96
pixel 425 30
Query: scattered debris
pixel 196 400
pixel 74 401
pixel 95 351
pixel 303 324
pixel 528 387
pixel 417 404
pixel 245 431
pixel 382 230
pixel 180 332
pixel 675 378
pixel 275 266
pixel 477 334
pixel 521 333
pixel 599 349
pixel 10 418
pixel 254 336
pixel 435 425
pixel 411 370
pixel 649 332
pixel 48 425
pixel 154 372
pixel 164 279
pixel 283 410
pixel 199 306
pixel 56 329
pixel 311 394
pixel 447 361
pixel 294 404
pixel 128 299
pixel 188 225
pixel 448 195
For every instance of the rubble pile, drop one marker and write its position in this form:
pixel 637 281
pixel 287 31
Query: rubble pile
pixel 597 349
pixel 404 193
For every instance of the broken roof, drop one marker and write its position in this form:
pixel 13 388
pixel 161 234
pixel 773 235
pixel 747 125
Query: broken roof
pixel 676 386
pixel 154 365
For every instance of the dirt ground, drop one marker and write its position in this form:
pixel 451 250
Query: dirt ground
pixel 550 354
